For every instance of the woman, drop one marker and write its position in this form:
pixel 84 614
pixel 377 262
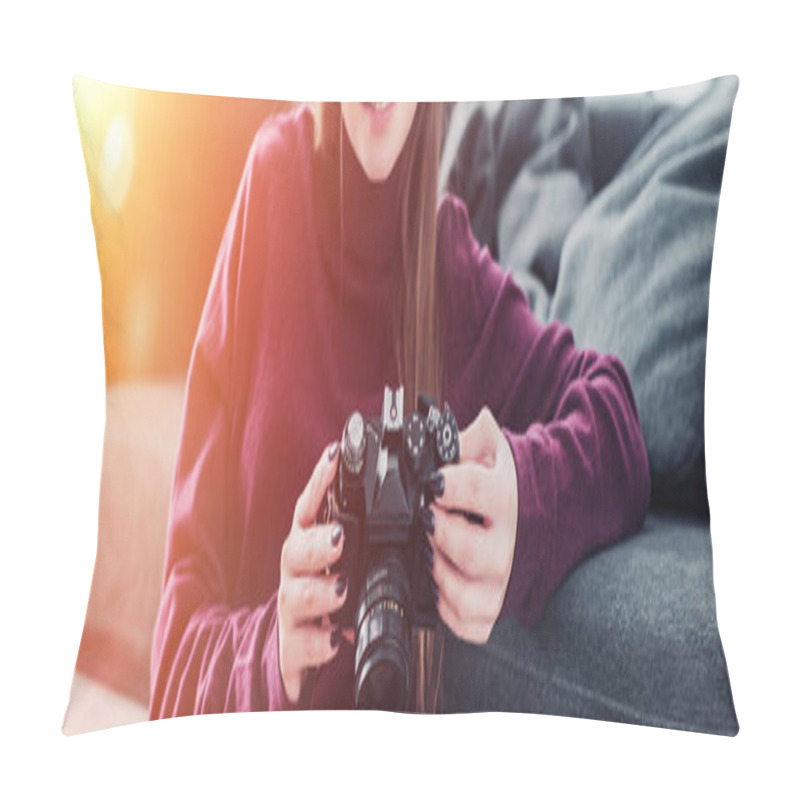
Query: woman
pixel 339 274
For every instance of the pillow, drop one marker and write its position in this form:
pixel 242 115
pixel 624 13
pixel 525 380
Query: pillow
pixel 566 216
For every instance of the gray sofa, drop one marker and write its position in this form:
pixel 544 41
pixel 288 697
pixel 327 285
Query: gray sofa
pixel 605 210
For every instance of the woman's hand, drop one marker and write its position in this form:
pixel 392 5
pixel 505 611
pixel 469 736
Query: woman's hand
pixel 472 557
pixel 307 594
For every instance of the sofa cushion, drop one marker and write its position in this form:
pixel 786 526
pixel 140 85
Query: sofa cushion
pixel 631 636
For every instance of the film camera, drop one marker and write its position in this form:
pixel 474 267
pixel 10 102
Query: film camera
pixel 384 467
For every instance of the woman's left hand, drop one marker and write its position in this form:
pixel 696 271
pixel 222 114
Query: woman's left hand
pixel 472 557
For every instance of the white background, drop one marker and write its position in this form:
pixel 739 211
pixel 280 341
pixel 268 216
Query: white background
pixel 51 426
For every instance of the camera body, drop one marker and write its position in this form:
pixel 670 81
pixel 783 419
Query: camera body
pixel 380 489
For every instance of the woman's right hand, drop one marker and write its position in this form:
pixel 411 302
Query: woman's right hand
pixel 308 594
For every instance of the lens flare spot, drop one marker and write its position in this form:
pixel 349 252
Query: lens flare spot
pixel 116 163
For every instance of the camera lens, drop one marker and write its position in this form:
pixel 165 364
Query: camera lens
pixel 383 649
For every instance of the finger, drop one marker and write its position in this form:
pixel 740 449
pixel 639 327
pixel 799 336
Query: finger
pixel 477 442
pixel 471 548
pixel 305 512
pixel 307 599
pixel 469 487
pixel 311 646
pixel 309 551
pixel 456 538
pixel 470 601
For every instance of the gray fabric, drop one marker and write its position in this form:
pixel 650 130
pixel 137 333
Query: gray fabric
pixel 634 281
pixel 631 636
pixel 523 170
pixel 616 126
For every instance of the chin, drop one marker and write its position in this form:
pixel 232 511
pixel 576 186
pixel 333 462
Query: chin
pixel 378 135
pixel 378 169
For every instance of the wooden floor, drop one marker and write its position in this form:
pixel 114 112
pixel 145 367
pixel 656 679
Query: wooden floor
pixel 93 707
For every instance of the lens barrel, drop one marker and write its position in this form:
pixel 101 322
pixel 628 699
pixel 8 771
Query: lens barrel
pixel 383 637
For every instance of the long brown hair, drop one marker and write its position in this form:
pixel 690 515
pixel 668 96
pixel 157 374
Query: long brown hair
pixel 417 317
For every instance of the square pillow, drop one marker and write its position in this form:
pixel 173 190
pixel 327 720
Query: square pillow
pixel 603 210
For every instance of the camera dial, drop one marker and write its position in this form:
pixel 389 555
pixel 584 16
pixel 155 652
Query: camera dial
pixel 414 440
pixel 354 444
pixel 447 437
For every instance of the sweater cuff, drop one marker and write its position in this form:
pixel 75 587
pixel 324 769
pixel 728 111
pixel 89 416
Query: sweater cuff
pixel 536 521
pixel 271 675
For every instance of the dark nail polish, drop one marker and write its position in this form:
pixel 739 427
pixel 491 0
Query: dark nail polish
pixel 332 450
pixel 341 584
pixel 435 590
pixel 336 536
pixel 336 636
pixel 427 519
pixel 427 549
pixel 436 484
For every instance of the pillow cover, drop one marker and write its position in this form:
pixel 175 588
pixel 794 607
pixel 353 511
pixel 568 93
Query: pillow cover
pixel 567 195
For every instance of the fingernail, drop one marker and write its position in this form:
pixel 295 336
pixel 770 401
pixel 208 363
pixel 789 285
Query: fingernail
pixel 336 536
pixel 341 584
pixel 436 484
pixel 427 519
pixel 435 590
pixel 336 637
pixel 429 553
pixel 332 450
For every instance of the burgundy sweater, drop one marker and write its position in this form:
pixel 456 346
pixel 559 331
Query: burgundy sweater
pixel 295 334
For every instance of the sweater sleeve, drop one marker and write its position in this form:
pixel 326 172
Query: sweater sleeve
pixel 210 654
pixel 569 416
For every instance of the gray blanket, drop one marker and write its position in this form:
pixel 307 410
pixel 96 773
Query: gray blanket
pixel 606 210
